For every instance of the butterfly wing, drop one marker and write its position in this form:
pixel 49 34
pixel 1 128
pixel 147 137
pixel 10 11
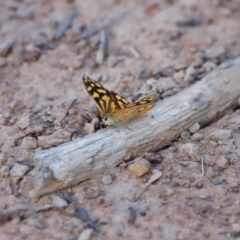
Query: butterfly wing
pixel 132 110
pixel 101 96
pixel 117 102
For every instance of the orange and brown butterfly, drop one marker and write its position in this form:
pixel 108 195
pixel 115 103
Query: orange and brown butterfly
pixel 114 108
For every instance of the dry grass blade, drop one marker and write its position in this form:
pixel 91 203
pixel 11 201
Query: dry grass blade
pixel 64 25
pixel 155 176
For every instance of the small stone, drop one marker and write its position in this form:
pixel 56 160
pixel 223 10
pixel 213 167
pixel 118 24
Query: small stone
pixel 23 122
pixel 57 123
pixel 215 52
pixel 220 134
pixel 202 208
pixel 138 69
pixel 162 84
pixel 210 174
pixel 72 112
pixel 107 179
pixel 222 162
pixel 31 53
pixel 58 201
pixel 199 185
pixel 192 179
pixel 89 128
pixel 77 64
pixel 29 143
pixel 191 72
pixel 167 72
pixel 189 150
pixel 18 171
pixel 140 167
pixel 178 76
pixel 194 128
pixel 4 171
pixel 86 234
pixel 175 34
pixel 170 192
pixel 197 137
pixel 32 130
pixel 55 139
pixel 185 135
pixel 193 165
pixel 190 21
pixel 180 67
pixel 217 181
pixel 208 66
pixel 6 47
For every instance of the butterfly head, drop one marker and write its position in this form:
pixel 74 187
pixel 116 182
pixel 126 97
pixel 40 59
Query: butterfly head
pixel 108 120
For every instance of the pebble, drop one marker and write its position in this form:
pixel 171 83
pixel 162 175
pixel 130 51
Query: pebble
pixel 23 122
pixel 180 67
pixel 194 128
pixel 190 150
pixel 89 128
pixel 197 137
pixel 215 52
pixel 31 130
pixel 55 139
pixel 199 185
pixel 185 135
pixel 86 234
pixel 138 69
pixel 175 34
pixel 140 167
pixel 191 72
pixel 210 174
pixel 6 47
pixel 170 192
pixel 107 179
pixel 77 64
pixel 202 208
pixel 18 171
pixel 178 76
pixel 220 134
pixel 163 84
pixel 222 162
pixel 190 21
pixel 31 53
pixel 208 66
pixel 167 72
pixel 4 171
pixel 217 181
pixel 58 201
pixel 29 143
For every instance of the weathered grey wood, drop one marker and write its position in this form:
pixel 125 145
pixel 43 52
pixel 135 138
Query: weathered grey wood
pixel 83 158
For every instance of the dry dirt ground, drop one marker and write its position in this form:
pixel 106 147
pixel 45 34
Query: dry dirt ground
pixel 164 45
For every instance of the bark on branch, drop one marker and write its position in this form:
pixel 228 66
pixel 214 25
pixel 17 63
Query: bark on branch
pixel 83 158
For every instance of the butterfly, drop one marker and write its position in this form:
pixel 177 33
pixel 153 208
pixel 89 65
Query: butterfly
pixel 113 107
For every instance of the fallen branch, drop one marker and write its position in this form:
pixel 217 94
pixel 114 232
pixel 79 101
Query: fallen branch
pixel 83 158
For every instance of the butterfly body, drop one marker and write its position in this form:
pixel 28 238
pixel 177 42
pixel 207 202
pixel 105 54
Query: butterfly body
pixel 114 108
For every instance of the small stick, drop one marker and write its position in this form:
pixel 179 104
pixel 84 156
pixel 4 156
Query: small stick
pixel 102 48
pixel 74 100
pixel 134 52
pixel 92 31
pixel 64 25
